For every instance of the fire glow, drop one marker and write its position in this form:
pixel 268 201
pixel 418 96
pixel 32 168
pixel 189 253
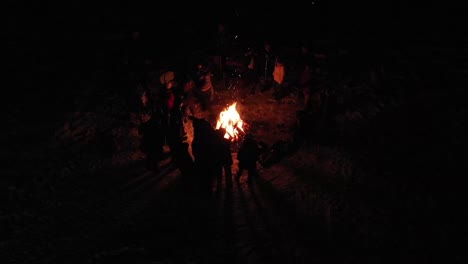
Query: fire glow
pixel 230 120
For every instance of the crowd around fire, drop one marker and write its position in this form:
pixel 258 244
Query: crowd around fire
pixel 171 95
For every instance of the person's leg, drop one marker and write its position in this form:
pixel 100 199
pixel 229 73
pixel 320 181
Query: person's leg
pixel 212 94
pixel 239 173
pixel 252 172
pixel 228 172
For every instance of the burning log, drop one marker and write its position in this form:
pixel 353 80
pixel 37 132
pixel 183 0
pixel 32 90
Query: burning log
pixel 231 122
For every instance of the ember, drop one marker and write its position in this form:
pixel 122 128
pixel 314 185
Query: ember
pixel 230 120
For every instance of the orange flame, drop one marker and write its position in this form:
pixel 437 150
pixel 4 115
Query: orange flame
pixel 230 120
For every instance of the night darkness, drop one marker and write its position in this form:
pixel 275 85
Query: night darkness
pixel 372 174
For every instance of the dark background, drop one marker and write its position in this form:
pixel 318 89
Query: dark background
pixel 50 44
pixel 51 47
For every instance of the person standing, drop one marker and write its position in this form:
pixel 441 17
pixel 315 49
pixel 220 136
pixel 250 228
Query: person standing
pixel 248 155
pixel 204 89
pixel 222 49
pixel 266 66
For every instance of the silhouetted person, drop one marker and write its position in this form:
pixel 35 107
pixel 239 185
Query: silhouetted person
pixel 170 112
pixel 250 65
pixel 248 154
pixel 266 64
pixel 222 47
pixel 185 164
pixel 224 155
pixel 204 152
pixel 183 159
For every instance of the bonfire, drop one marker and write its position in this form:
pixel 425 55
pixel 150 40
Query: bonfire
pixel 231 122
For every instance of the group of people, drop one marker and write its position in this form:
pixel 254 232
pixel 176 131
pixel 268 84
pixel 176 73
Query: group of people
pixel 162 118
pixel 165 110
pixel 266 70
pixel 213 157
pixel 166 104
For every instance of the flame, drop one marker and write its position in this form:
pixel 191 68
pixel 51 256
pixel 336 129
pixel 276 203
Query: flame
pixel 230 120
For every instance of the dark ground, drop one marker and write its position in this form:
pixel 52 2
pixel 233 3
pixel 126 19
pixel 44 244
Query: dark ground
pixel 74 189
